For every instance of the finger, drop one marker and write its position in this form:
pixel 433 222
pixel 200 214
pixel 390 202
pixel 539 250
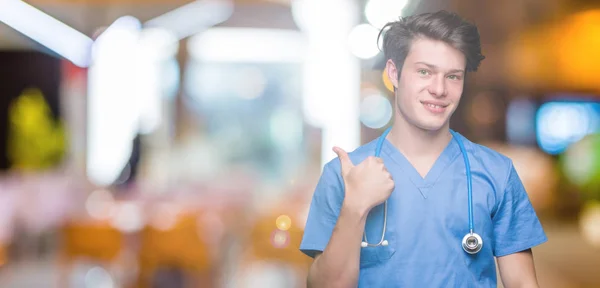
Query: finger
pixel 373 159
pixel 344 159
pixel 392 185
pixel 389 175
pixel 384 169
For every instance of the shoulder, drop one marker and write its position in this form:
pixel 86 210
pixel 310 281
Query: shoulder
pixel 495 167
pixel 498 165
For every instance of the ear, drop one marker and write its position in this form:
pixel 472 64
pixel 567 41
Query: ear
pixel 392 72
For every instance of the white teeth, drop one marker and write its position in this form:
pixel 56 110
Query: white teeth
pixel 433 106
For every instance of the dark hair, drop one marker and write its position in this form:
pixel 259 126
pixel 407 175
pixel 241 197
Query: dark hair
pixel 442 25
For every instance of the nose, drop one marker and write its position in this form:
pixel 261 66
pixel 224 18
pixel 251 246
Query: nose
pixel 437 87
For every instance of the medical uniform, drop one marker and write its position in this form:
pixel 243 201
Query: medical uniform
pixel 428 217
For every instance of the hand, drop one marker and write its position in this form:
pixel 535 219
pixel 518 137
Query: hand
pixel 368 184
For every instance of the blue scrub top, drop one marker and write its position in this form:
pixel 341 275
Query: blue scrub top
pixel 428 217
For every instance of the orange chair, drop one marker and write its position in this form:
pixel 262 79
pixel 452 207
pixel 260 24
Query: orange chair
pixel 273 242
pixel 97 241
pixel 270 243
pixel 177 246
pixel 3 256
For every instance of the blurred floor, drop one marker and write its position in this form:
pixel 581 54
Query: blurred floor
pixel 29 275
pixel 565 261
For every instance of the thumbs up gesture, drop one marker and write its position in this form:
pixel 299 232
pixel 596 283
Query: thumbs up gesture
pixel 368 184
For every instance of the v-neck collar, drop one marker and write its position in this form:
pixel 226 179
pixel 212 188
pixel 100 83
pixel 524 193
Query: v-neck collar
pixel 424 184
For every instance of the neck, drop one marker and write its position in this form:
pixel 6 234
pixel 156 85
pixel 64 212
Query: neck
pixel 415 142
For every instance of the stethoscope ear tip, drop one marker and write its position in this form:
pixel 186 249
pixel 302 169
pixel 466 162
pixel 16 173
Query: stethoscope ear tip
pixel 364 244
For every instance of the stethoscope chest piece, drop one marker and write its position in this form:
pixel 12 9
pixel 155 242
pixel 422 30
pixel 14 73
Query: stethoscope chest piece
pixel 472 243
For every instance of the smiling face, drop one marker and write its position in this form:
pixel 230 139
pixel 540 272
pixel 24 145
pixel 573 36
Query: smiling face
pixel 430 85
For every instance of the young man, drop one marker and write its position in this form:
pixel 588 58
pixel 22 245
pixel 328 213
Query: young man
pixel 422 174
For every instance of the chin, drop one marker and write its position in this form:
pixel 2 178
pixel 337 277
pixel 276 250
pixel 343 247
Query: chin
pixel 432 126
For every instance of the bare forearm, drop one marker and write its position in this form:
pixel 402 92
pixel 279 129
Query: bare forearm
pixel 529 282
pixel 338 266
pixel 518 270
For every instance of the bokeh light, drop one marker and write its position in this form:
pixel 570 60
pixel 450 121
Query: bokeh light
pixel 128 217
pixel 520 121
pixel 581 164
pixel 100 204
pixel 267 274
pixel 315 16
pixel 165 216
pixel 380 12
pixel 280 239
pixel 576 49
pixel 559 124
pixel 283 222
pixel 98 277
pixel 363 41
pixel 590 223
pixel 375 111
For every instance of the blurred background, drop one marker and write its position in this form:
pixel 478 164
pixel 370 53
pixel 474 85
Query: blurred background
pixel 155 143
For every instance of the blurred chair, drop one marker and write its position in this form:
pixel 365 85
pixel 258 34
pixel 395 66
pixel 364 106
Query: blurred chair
pixel 95 241
pixel 269 243
pixel 273 242
pixel 3 254
pixel 176 249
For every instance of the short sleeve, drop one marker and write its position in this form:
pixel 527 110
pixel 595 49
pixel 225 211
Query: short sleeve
pixel 516 225
pixel 323 212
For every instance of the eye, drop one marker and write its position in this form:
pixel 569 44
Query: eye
pixel 423 72
pixel 454 77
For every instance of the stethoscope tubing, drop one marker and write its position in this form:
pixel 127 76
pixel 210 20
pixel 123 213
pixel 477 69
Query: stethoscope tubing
pixel 469 248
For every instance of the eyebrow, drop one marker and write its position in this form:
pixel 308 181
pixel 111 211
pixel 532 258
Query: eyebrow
pixel 434 67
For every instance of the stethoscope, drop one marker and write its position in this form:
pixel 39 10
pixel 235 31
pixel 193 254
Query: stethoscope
pixel 472 242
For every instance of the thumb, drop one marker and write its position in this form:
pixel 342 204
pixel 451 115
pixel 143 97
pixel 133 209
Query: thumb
pixel 344 159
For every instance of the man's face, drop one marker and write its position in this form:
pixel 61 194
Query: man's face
pixel 430 85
